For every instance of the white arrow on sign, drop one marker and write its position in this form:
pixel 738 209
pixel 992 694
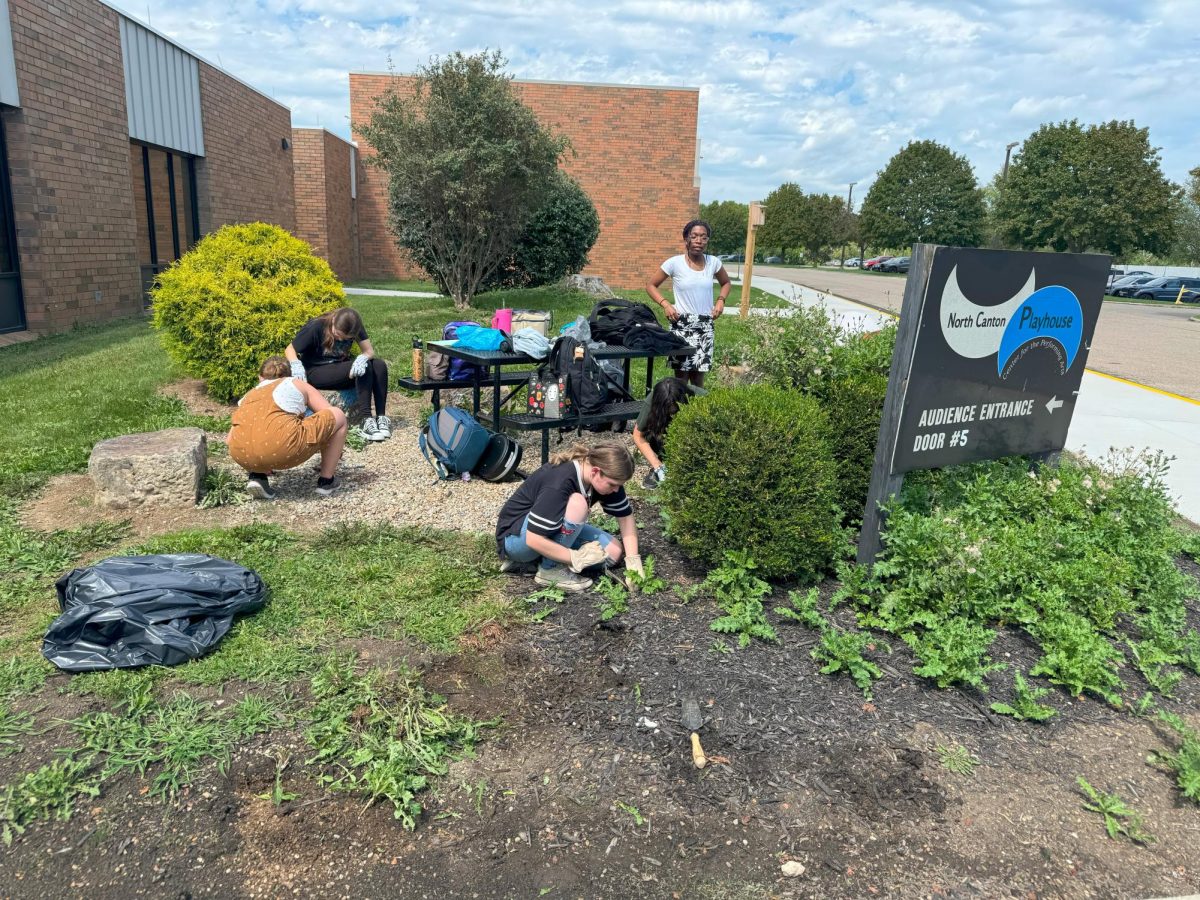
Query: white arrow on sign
pixel 1053 403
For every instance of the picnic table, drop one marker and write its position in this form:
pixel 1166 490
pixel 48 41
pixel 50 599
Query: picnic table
pixel 491 369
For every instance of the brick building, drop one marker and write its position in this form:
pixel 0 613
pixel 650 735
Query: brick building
pixel 120 149
pixel 327 173
pixel 635 153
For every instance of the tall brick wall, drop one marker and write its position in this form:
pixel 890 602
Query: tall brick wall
pixel 325 211
pixel 635 155
pixel 68 151
pixel 246 175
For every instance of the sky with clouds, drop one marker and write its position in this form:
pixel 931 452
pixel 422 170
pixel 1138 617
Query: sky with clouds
pixel 819 93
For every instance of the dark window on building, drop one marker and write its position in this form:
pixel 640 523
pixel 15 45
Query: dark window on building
pixel 12 303
pixel 164 193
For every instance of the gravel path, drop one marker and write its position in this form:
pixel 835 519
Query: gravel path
pixel 386 482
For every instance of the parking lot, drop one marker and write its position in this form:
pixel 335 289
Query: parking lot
pixel 1156 346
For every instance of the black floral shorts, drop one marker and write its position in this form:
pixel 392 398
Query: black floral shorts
pixel 697 331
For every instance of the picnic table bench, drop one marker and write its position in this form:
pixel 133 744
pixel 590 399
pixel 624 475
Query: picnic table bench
pixel 492 362
pixel 436 386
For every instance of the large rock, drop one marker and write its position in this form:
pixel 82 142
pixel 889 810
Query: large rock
pixel 590 284
pixel 156 467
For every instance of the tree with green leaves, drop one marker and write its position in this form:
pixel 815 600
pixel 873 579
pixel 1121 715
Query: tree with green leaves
pixel 468 165
pixel 822 225
pixel 1075 188
pixel 1194 185
pixel 728 219
pixel 782 226
pixel 926 193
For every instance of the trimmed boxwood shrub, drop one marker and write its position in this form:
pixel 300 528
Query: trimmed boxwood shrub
pixel 750 469
pixel 237 297
pixel 853 403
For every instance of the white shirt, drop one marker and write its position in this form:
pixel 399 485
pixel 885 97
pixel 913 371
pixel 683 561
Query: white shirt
pixel 286 395
pixel 692 289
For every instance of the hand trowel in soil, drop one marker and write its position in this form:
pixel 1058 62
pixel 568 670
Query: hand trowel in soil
pixel 693 722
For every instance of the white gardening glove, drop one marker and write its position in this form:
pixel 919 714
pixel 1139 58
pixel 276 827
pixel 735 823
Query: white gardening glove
pixel 661 473
pixel 359 367
pixel 633 563
pixel 298 370
pixel 590 554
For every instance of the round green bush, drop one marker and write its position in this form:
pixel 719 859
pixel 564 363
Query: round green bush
pixel 750 469
pixel 237 297
pixel 556 239
pixel 853 403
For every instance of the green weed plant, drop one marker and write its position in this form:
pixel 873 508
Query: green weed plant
pixel 50 792
pixel 1025 706
pixel 384 737
pixel 1078 556
pixel 1119 817
pixel 1184 761
pixel 839 650
pixel 740 594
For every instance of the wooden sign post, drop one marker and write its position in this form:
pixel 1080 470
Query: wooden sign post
pixel 756 218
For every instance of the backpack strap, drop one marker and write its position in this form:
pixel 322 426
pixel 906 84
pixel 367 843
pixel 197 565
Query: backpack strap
pixel 423 443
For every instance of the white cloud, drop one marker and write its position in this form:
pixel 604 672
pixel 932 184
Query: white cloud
pixel 820 93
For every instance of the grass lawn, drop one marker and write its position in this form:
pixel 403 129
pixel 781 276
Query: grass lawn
pixel 425 588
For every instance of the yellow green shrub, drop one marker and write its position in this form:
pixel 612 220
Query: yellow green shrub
pixel 237 297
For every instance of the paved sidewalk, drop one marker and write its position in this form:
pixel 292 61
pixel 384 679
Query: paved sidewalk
pixel 373 292
pixel 1111 412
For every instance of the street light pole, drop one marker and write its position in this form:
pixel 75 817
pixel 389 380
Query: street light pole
pixel 849 212
pixel 1007 151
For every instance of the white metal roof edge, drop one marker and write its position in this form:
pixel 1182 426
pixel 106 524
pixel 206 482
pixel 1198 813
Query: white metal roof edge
pixel 193 53
pixel 595 84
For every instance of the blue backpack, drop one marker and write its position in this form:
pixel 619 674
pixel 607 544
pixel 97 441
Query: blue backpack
pixel 460 370
pixel 452 441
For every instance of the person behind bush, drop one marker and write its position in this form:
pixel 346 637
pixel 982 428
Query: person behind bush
pixel 270 430
pixel 546 519
pixel 693 313
pixel 654 419
pixel 320 355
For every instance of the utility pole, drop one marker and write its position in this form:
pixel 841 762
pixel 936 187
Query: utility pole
pixel 755 219
pixel 1007 151
pixel 849 213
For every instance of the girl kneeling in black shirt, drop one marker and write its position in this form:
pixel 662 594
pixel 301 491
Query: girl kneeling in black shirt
pixel 546 519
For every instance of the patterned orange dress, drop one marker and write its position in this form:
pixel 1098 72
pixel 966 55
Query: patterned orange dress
pixel 270 430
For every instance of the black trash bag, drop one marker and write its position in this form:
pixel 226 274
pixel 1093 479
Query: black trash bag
pixel 148 610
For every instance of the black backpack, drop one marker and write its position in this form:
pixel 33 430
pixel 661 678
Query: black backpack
pixel 656 339
pixel 611 320
pixel 587 384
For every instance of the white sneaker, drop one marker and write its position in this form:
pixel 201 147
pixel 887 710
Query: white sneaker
pixel 370 430
pixel 562 577
pixel 384 424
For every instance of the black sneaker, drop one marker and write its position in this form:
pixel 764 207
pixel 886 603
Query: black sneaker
pixel 512 567
pixel 326 486
pixel 258 487
pixel 650 482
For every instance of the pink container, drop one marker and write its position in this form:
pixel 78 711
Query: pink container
pixel 503 320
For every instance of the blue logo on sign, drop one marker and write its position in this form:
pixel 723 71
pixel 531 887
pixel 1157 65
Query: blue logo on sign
pixel 1053 313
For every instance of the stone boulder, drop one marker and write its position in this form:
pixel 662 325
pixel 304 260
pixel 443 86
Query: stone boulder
pixel 157 467
pixel 590 284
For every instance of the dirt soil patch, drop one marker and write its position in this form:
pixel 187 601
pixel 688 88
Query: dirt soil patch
pixel 588 790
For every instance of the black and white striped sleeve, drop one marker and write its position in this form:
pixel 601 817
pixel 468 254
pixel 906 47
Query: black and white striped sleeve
pixel 616 504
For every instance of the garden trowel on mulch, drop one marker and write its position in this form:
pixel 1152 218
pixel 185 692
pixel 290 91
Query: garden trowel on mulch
pixel 693 722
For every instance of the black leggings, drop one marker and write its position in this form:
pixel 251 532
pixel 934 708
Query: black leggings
pixel 373 384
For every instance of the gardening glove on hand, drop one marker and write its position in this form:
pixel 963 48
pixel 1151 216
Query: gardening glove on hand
pixel 661 473
pixel 590 554
pixel 633 563
pixel 359 367
pixel 298 370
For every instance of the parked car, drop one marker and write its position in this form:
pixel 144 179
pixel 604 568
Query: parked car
pixel 1168 289
pixel 1129 282
pixel 1191 297
pixel 773 260
pixel 853 262
pixel 1128 290
pixel 1116 275
pixel 734 257
pixel 896 264
pixel 874 262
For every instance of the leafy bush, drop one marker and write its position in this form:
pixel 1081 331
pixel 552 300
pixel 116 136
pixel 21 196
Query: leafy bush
pixel 556 239
pixel 793 350
pixel 237 297
pixel 853 404
pixel 751 470
pixel 1078 556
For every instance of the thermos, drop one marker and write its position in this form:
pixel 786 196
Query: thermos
pixel 418 360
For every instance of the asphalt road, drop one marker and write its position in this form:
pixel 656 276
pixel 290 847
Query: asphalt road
pixel 1157 346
